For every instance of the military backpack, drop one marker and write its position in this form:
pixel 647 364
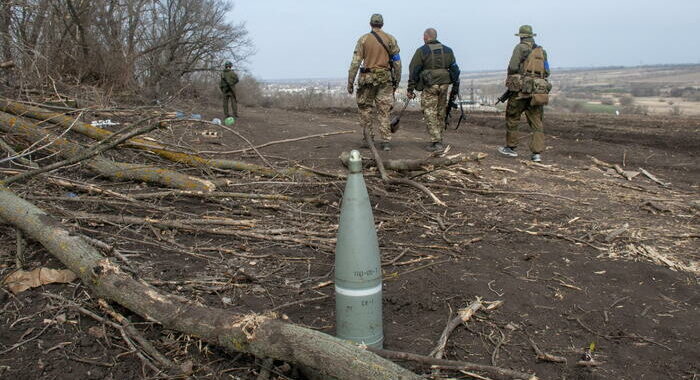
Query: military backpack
pixel 535 77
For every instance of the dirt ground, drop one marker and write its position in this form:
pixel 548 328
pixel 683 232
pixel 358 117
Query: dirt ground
pixel 577 253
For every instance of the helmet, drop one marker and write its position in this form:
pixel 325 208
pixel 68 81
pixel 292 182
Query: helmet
pixel 228 64
pixel 376 19
pixel 525 31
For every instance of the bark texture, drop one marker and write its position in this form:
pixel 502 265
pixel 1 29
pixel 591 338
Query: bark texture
pixel 260 335
pixel 101 165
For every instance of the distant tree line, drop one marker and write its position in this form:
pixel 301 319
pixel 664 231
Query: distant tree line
pixel 120 44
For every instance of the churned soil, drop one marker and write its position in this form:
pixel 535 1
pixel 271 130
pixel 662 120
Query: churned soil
pixel 577 253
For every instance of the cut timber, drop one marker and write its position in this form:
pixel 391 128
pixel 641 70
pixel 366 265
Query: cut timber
pixel 99 164
pixel 404 165
pixel 261 335
pixel 97 133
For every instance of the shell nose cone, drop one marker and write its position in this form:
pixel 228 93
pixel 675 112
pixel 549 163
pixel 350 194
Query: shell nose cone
pixel 355 162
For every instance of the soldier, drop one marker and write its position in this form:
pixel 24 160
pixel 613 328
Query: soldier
pixel 227 86
pixel 377 58
pixel 527 73
pixel 431 71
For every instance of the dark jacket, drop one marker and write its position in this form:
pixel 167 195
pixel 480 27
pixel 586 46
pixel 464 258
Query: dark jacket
pixel 432 63
pixel 228 81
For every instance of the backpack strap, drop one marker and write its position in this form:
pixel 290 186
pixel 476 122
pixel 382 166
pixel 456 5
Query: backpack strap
pixel 388 53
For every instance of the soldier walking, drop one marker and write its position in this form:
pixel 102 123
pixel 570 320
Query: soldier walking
pixel 376 56
pixel 432 70
pixel 528 71
pixel 227 86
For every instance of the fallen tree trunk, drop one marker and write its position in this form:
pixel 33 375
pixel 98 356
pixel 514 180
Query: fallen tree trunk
pixel 99 164
pixel 261 335
pixel 97 133
pixel 405 165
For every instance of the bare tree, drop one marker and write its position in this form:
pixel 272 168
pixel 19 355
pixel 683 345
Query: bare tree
pixel 138 44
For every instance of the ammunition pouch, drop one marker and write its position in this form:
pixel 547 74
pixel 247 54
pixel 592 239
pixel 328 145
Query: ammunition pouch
pixel 514 83
pixel 539 99
pixel 534 85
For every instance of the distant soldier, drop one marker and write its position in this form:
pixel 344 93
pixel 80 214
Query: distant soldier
pixel 377 58
pixel 227 86
pixel 432 70
pixel 527 82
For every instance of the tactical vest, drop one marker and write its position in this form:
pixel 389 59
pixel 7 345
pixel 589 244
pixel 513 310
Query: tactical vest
pixel 435 67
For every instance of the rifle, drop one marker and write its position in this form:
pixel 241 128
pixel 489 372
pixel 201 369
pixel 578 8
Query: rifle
pixel 451 104
pixel 397 119
pixel 506 95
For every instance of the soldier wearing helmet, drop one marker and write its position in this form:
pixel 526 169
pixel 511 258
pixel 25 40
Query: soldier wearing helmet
pixel 376 56
pixel 528 71
pixel 227 87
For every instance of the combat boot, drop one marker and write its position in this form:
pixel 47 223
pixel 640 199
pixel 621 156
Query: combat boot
pixel 507 151
pixel 536 157
pixel 385 146
pixel 435 147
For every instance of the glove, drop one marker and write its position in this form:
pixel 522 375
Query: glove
pixel 351 88
pixel 410 94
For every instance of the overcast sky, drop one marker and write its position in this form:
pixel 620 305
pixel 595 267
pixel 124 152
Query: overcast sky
pixel 315 38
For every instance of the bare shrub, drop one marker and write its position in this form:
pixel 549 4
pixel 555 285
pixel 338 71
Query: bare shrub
pixel 607 101
pixel 626 100
pixel 250 91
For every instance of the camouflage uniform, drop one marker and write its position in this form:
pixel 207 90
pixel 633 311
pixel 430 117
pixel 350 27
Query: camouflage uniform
pixel 521 103
pixel 432 70
pixel 376 85
pixel 227 87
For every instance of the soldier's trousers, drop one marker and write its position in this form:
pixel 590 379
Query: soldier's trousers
pixel 377 99
pixel 433 101
pixel 534 115
pixel 230 97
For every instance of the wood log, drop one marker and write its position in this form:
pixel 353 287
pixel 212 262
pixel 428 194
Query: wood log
pixel 261 335
pixel 97 133
pixel 101 165
pixel 404 165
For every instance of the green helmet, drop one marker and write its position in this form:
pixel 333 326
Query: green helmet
pixel 228 64
pixel 525 31
pixel 376 19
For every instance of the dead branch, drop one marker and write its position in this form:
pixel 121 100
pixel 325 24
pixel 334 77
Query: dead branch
pixel 101 165
pixel 138 337
pixel 498 372
pixel 325 243
pixel 260 335
pixel 629 175
pixel 279 142
pixel 463 315
pixel 12 153
pixel 224 194
pixel 7 64
pixel 541 355
pixel 653 178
